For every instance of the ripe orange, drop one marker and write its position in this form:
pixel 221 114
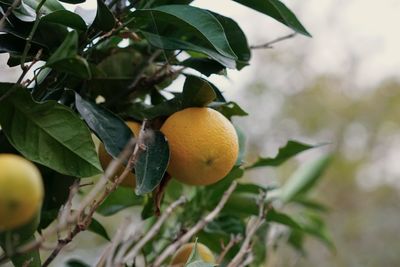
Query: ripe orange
pixel 21 191
pixel 182 255
pixel 203 144
pixel 105 158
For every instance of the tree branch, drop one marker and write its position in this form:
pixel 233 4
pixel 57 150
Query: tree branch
pixel 8 12
pixel 233 241
pixel 196 228
pixel 270 43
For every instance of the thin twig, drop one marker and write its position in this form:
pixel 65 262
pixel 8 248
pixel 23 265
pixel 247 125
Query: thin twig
pixel 252 228
pixel 270 43
pixel 233 241
pixel 153 231
pixel 8 12
pixel 196 228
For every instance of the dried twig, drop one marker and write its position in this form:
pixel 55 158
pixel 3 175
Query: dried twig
pixel 270 43
pixel 233 241
pixel 196 228
pixel 252 228
pixel 153 231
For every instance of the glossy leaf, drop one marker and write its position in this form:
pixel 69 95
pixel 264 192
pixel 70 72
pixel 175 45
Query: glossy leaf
pixel 277 10
pixel 152 162
pixel 48 133
pixel 291 149
pixel 66 59
pixel 97 228
pixel 66 18
pixel 169 43
pixel 304 178
pixel 197 92
pixel 196 21
pixel 108 127
pixel 118 200
pixel 104 19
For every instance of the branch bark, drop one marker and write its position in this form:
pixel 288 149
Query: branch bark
pixel 270 43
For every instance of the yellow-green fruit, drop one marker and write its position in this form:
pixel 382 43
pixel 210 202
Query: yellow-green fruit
pixel 21 191
pixel 183 253
pixel 203 144
pixel 105 158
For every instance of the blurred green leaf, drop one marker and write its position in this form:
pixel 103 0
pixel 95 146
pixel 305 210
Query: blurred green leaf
pixel 281 218
pixel 66 18
pixel 66 59
pixel 151 163
pixel 97 228
pixel 104 19
pixel 73 1
pixel 205 66
pixel 277 10
pixel 291 149
pixel 197 92
pixel 310 204
pixel 226 224
pixel 315 226
pixel 118 200
pixel 242 145
pixel 111 129
pixel 304 178
pixel 76 263
pixel 57 137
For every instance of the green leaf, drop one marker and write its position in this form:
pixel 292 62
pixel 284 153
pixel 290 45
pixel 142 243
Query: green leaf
pixel 237 40
pixel 292 148
pixel 281 218
pixel 169 43
pixel 152 162
pixel 163 109
pixel 304 178
pixel 194 254
pixel 197 92
pixel 26 11
pixel 228 109
pixel 76 263
pixel 315 226
pixel 48 133
pixel 118 200
pixel 242 145
pixel 104 19
pixel 310 204
pixel 66 59
pixel 66 18
pixel 277 10
pixel 72 1
pixel 200 263
pixel 226 224
pixel 96 227
pixel 196 21
pixel 111 129
pixel 205 66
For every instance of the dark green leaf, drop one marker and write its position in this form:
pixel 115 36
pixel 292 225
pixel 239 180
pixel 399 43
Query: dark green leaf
pixel 118 200
pixel 296 239
pixel 104 20
pixel 111 130
pixel 197 92
pixel 228 109
pixel 277 217
pixel 152 162
pixel 196 21
pixel 57 137
pixel 277 10
pixel 291 149
pixel 304 178
pixel 76 263
pixel 226 224
pixel 310 204
pixel 66 59
pixel 73 1
pixel 169 43
pixel 96 227
pixel 66 18
pixel 237 40
pixel 205 66
pixel 316 227
pixel 163 109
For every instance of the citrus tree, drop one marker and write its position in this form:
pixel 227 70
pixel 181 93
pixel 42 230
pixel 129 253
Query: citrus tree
pixel 93 126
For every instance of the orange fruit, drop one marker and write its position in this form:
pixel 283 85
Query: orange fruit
pixel 105 158
pixel 182 255
pixel 21 191
pixel 203 145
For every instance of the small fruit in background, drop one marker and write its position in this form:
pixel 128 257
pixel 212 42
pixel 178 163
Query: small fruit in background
pixel 183 253
pixel 203 143
pixel 105 158
pixel 21 191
